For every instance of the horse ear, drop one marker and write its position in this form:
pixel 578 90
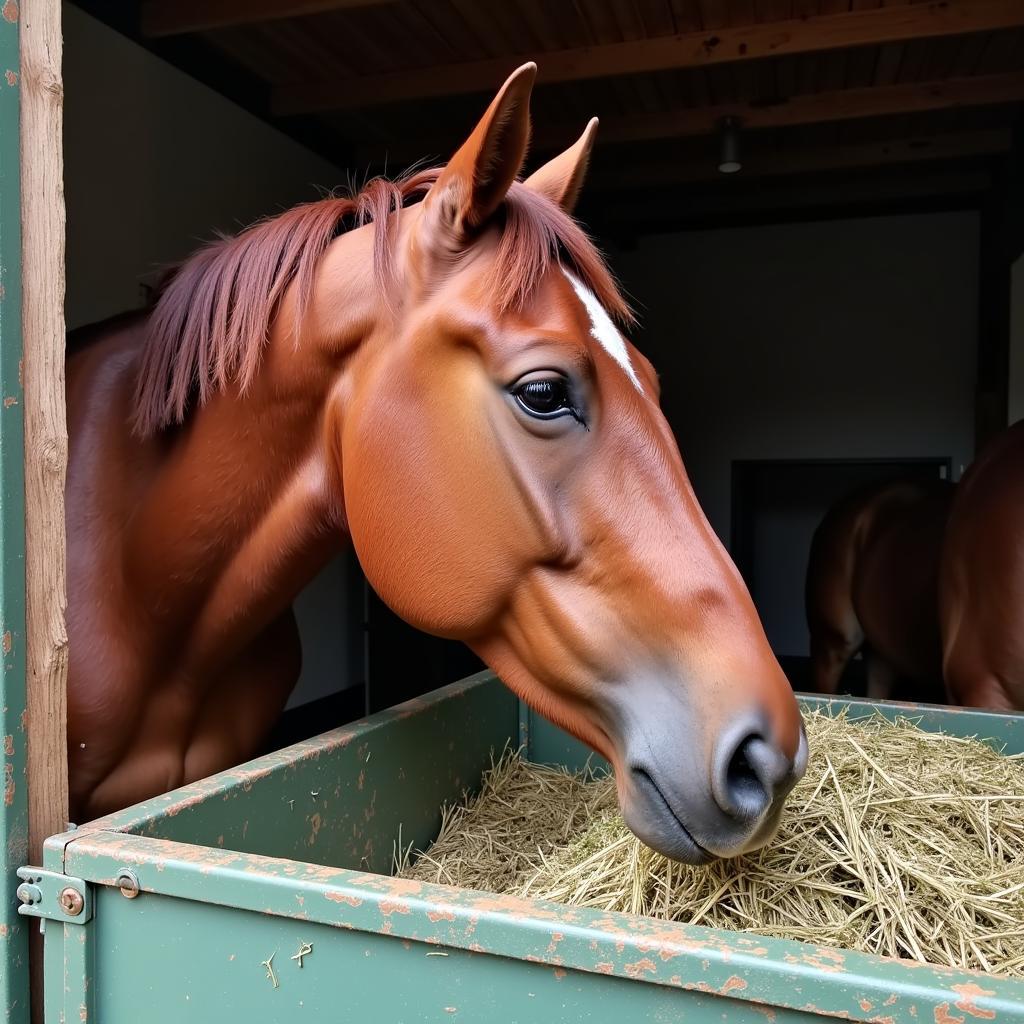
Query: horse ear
pixel 561 179
pixel 479 175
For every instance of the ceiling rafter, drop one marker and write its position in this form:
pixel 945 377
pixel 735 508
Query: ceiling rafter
pixel 693 49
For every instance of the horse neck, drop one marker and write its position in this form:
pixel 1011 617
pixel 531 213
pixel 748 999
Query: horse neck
pixel 245 504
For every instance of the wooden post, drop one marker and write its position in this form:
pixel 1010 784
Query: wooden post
pixel 42 220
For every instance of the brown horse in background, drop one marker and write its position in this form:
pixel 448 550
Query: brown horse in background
pixel 928 581
pixel 872 587
pixel 981 586
pixel 446 387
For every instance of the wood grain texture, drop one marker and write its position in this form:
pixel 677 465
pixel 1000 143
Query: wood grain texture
pixel 727 45
pixel 177 17
pixel 46 443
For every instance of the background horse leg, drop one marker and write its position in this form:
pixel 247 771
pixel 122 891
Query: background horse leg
pixel 882 677
pixel 831 651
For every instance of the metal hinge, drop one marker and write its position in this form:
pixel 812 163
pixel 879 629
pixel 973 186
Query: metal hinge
pixel 53 896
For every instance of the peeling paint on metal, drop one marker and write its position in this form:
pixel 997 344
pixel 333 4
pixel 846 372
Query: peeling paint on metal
pixel 10 11
pixel 12 81
pixel 969 994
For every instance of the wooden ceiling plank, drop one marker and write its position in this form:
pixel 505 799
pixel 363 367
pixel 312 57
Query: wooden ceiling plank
pixel 178 17
pixel 819 108
pixel 933 19
pixel 812 109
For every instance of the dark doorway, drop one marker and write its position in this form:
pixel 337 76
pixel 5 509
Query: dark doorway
pixel 402 662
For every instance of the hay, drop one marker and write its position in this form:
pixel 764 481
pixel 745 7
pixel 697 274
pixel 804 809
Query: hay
pixel 897 841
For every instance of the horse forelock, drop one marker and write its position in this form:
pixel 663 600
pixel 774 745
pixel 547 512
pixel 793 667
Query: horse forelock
pixel 213 315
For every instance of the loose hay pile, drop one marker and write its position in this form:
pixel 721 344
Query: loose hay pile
pixel 897 841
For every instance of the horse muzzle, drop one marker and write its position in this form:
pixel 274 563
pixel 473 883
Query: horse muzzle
pixel 694 807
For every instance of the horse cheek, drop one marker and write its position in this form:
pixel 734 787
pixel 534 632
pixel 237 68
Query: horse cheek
pixel 436 536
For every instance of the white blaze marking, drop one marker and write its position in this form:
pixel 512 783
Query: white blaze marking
pixel 602 328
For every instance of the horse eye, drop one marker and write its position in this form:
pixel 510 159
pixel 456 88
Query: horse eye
pixel 546 397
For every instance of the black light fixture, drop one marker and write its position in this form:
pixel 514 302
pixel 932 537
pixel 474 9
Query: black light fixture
pixel 729 142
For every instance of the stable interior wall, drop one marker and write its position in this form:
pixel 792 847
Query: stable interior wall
pixel 156 163
pixel 845 339
pixel 1016 406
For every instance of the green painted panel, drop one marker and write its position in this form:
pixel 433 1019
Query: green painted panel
pixel 14 807
pixel 181 961
pixel 372 909
pixel 340 799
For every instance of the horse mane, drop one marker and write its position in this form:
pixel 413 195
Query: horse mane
pixel 213 316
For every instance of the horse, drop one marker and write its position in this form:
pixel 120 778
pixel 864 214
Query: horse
pixel 981 583
pixel 433 371
pixel 872 586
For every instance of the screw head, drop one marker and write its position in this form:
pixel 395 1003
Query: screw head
pixel 128 883
pixel 71 902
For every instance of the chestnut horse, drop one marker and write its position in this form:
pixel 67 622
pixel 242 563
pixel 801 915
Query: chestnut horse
pixel 927 580
pixel 446 386
pixel 872 586
pixel 981 584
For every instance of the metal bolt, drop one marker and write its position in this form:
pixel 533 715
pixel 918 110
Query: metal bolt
pixel 128 883
pixel 71 902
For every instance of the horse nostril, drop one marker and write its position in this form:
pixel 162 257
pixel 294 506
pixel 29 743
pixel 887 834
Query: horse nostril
pixel 748 777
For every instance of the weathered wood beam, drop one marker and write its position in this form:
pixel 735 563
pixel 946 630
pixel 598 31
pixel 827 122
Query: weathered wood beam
pixel 693 49
pixel 46 437
pixel 178 17
pixel 815 108
pixel 952 146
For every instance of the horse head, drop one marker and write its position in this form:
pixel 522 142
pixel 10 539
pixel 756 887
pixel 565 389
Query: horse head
pixel 510 480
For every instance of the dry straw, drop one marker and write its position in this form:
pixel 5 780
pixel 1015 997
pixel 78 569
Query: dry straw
pixel 897 841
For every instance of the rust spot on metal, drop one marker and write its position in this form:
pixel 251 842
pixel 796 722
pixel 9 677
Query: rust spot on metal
pixel 640 967
pixel 8 642
pixel 943 1016
pixel 969 993
pixel 12 78
pixel 866 1004
pixel 733 984
pixel 8 785
pixel 603 967
pixel 314 824
pixel 10 11
pixel 560 973
pixel 891 1000
pixel 389 907
pixel 440 915
pixel 9 745
pixel 9 401
pixel 343 897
